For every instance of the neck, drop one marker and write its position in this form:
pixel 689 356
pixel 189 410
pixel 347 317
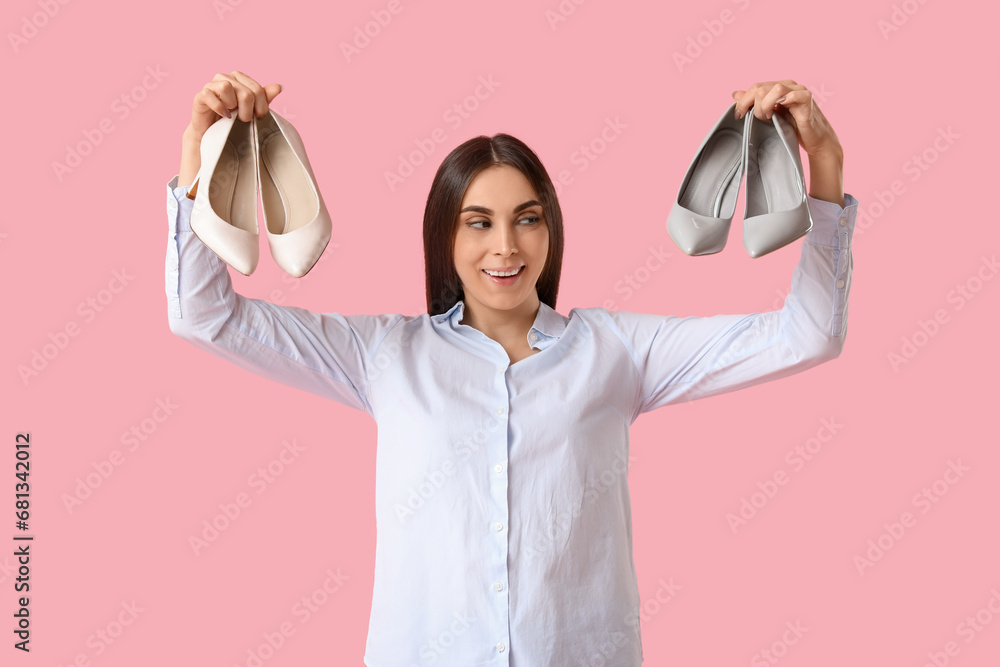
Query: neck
pixel 503 326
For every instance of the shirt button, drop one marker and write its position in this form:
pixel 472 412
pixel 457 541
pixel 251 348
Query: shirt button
pixel 840 283
pixel 498 525
pixel 498 586
pixel 499 411
pixel 501 647
pixel 843 222
pixel 533 336
pixel 498 468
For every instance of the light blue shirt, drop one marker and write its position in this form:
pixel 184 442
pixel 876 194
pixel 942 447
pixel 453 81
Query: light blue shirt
pixel 504 528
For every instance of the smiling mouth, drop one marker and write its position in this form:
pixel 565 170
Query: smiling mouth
pixel 513 275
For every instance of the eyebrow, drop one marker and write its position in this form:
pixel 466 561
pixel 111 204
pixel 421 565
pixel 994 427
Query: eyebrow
pixel 489 211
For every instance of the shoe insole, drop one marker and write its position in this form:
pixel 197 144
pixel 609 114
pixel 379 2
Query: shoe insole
pixel 715 179
pixel 290 202
pixel 773 174
pixel 233 192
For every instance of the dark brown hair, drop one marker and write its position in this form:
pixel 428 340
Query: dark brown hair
pixel 444 201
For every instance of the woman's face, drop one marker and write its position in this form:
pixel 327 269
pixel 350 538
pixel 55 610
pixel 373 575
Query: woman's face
pixel 501 225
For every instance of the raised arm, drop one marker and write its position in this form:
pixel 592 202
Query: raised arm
pixel 323 353
pixel 684 358
pixel 681 359
pixel 326 354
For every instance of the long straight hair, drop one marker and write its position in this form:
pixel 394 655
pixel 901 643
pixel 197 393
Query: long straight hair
pixel 444 201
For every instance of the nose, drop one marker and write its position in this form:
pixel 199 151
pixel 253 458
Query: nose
pixel 506 239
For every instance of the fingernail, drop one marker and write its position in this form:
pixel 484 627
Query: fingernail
pixel 281 88
pixel 226 111
pixel 779 101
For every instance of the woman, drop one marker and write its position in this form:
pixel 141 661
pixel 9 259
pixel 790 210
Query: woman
pixel 502 505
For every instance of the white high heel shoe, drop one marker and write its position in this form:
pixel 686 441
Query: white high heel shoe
pixel 295 216
pixel 224 215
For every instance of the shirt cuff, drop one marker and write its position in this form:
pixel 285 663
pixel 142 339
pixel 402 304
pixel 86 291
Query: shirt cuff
pixel 179 203
pixel 833 225
pixel 178 220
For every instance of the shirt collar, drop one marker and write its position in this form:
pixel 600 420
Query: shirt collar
pixel 548 324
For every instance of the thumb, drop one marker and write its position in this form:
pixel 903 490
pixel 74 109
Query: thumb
pixel 271 91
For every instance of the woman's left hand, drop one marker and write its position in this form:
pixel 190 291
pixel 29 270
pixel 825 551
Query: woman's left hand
pixel 815 133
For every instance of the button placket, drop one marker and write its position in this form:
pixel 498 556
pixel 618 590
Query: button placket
pixel 841 265
pixel 498 452
pixel 173 274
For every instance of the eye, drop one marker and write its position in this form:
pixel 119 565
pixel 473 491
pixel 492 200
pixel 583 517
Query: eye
pixel 531 220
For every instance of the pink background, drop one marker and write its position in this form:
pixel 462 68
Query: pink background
pixel 898 428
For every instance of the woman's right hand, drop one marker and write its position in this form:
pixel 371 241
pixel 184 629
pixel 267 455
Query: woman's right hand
pixel 233 94
pixel 226 92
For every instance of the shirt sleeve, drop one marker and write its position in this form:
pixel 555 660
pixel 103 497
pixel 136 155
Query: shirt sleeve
pixel 681 359
pixel 326 354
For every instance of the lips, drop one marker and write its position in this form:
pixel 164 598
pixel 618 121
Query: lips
pixel 519 270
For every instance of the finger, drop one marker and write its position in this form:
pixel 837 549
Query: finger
pixel 210 97
pixel 272 90
pixel 226 88
pixel 791 103
pixel 245 95
pixel 761 93
pixel 259 97
pixel 781 93
pixel 737 95
pixel 767 97
pixel 750 97
pixel 235 95
pixel 788 100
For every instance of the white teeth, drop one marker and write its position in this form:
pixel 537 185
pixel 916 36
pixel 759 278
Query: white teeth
pixel 503 274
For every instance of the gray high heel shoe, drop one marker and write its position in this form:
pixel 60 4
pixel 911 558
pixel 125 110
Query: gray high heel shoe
pixel 776 211
pixel 703 210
